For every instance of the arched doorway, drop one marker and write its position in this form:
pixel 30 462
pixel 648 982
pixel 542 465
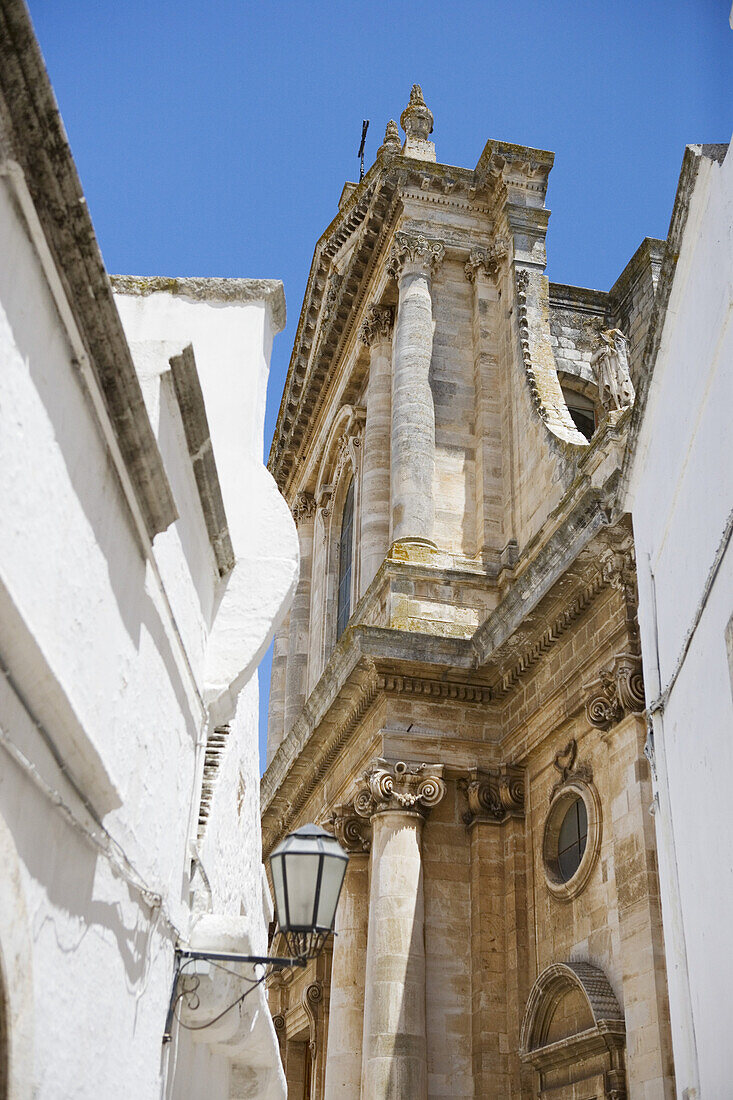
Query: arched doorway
pixel 574 1034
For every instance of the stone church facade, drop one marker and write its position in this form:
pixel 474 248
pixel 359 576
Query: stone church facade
pixel 458 689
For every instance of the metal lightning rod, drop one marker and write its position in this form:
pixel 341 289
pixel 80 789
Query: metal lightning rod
pixel 364 128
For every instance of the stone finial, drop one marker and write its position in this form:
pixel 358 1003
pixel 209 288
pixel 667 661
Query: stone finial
pixel 391 143
pixel 611 365
pixel 399 786
pixel 377 325
pixel 417 122
pixel 493 795
pixel 414 248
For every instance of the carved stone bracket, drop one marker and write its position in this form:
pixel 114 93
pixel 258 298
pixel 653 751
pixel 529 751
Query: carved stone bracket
pixel 565 763
pixel 352 830
pixel 414 248
pixel 378 325
pixel 487 260
pixel 304 507
pixel 399 786
pixel 494 794
pixel 619 690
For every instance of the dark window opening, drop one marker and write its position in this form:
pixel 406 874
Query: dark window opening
pixel 582 412
pixel 346 553
pixel 572 839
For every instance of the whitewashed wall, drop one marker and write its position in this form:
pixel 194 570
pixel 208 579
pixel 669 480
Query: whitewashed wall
pixel 122 654
pixel 681 496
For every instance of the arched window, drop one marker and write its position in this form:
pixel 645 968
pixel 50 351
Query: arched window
pixel 582 411
pixel 346 554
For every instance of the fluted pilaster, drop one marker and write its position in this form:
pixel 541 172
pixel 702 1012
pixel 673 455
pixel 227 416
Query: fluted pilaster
pixel 376 332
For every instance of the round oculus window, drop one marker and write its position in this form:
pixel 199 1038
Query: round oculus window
pixel 572 839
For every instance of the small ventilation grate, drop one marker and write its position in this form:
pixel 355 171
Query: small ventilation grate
pixel 216 744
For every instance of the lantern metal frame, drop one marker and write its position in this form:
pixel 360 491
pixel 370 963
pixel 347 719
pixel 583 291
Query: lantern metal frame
pixel 304 942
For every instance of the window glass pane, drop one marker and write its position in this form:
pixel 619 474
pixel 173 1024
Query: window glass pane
pixel 346 550
pixel 572 839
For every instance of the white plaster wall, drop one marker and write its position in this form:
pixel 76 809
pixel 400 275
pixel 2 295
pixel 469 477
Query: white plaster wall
pixel 681 497
pixel 116 650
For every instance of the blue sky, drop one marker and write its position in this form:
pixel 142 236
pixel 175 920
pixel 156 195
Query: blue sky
pixel 214 139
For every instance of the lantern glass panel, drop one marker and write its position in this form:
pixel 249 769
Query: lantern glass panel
pixel 334 870
pixel 301 871
pixel 278 885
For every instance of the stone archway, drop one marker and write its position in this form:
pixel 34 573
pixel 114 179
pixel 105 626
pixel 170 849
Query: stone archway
pixel 574 1035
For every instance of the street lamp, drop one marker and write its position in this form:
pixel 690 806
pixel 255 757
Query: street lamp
pixel 308 870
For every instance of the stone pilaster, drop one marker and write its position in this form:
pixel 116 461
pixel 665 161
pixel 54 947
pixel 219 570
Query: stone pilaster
pixel 297 664
pixel 396 798
pixel 348 968
pixel 499 940
pixel 376 332
pixel 413 260
pixel 276 706
pixel 481 270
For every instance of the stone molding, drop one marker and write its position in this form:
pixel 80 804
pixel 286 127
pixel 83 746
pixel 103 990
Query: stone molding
pixel 441 689
pixel 377 326
pixel 351 829
pixel 493 795
pixel 415 248
pixel 488 260
pixel 399 786
pixel 304 508
pixel 522 283
pixel 619 690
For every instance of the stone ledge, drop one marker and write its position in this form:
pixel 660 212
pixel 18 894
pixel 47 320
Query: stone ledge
pixel 205 289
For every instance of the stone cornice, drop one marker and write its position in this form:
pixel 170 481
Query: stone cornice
pixel 202 289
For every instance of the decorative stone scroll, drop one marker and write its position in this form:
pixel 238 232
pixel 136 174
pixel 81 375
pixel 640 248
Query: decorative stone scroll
pixel 303 508
pixel 377 325
pixel 494 794
pixel 611 366
pixel 400 786
pixel 487 260
pixel 414 248
pixel 619 690
pixel 352 830
pixel 570 770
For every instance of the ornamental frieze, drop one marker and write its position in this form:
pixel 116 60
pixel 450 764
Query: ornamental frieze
pixel 399 786
pixel 619 690
pixel 493 794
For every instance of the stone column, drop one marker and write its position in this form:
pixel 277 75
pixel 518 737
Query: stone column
pixel 413 260
pixel 276 706
pixel 396 798
pixel 348 967
pixel 297 667
pixel 376 332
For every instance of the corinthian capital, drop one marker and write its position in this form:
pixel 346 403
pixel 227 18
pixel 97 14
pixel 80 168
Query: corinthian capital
pixel 417 250
pixel 399 786
pixel 377 325
pixel 487 260
pixel 494 794
pixel 303 508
